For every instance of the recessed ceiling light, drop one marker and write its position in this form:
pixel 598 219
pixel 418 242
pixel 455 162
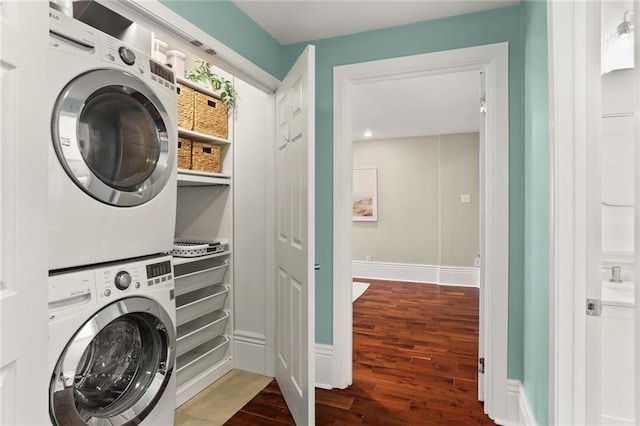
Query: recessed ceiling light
pixel 368 133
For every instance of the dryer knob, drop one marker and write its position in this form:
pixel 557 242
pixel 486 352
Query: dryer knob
pixel 122 280
pixel 127 55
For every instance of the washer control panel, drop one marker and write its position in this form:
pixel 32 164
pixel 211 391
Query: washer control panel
pixel 135 277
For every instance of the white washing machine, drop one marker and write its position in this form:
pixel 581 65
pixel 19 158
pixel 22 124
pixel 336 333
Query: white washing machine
pixel 112 154
pixel 112 344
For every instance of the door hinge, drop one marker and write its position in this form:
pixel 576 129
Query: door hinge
pixel 594 307
pixel 483 106
pixel 481 366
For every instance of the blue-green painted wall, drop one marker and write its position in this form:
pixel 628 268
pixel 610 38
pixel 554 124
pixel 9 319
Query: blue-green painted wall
pixel 524 27
pixel 536 216
pixel 231 26
pixel 488 27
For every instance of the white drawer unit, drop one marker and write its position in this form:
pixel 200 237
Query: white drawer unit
pixel 201 330
pixel 192 364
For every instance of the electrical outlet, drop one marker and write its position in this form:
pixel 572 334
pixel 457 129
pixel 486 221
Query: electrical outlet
pixel 369 258
pixel 465 198
pixel 476 261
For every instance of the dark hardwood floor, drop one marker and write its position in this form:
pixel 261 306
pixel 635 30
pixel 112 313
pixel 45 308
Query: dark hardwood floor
pixel 415 363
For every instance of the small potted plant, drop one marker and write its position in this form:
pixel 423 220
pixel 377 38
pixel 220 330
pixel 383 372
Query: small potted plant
pixel 203 73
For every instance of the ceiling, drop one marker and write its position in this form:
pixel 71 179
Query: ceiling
pixel 420 106
pixel 293 21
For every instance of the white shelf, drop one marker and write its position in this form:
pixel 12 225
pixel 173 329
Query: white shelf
pixel 195 86
pixel 197 136
pixel 195 178
pixel 185 260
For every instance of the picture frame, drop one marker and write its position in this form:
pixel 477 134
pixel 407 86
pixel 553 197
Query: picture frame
pixel 365 195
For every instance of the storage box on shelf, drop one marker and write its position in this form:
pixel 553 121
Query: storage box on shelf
pixel 204 122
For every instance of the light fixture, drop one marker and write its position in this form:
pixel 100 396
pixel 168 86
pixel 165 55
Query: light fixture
pixel 368 133
pixel 618 48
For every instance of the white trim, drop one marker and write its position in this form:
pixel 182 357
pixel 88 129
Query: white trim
pixel 518 409
pixel 250 352
pixel 427 274
pixel 202 381
pixel 493 61
pixel 567 23
pixel 324 366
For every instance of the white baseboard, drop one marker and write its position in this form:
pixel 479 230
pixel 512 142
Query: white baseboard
pixel 435 274
pixel 518 410
pixel 250 351
pixel 324 366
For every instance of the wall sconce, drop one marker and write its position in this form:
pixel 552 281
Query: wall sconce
pixel 618 47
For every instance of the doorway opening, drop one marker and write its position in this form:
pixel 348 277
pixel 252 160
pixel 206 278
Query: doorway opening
pixel 492 62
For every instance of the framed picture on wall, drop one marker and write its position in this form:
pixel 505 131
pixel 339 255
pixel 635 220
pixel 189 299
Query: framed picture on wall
pixel 365 195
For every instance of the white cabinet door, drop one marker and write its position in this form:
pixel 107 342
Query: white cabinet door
pixel 295 239
pixel 24 139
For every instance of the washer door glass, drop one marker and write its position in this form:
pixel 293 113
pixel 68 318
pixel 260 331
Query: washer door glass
pixel 116 367
pixel 111 135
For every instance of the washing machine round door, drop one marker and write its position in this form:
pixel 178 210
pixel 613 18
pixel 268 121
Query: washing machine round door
pixel 116 367
pixel 113 137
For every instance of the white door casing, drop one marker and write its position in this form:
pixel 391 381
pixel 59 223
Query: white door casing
pixel 295 238
pixel 493 61
pixel 24 135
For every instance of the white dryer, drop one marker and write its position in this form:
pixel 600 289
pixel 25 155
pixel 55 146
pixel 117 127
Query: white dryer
pixel 112 154
pixel 112 344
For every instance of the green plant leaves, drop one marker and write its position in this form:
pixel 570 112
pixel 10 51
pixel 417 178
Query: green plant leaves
pixel 202 72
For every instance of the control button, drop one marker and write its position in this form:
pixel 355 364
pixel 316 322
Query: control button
pixel 153 77
pixel 166 84
pixel 173 87
pixel 122 280
pixel 156 281
pixel 111 57
pixel 150 282
pixel 107 292
pixel 141 71
pixel 163 279
pixel 127 55
pixel 137 284
pixel 169 276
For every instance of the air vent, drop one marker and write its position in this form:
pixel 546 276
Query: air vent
pixel 196 43
pixel 211 51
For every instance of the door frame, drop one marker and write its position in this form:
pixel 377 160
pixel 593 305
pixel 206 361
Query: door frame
pixel 574 105
pixel 493 61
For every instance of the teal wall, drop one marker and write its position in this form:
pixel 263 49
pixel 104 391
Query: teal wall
pixel 231 26
pixel 536 216
pixel 488 27
pixel 524 27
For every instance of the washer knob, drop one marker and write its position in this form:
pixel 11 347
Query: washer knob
pixel 122 280
pixel 127 55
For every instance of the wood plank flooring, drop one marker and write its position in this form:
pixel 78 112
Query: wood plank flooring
pixel 415 363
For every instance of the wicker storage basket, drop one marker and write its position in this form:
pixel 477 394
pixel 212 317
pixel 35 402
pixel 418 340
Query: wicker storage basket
pixel 186 97
pixel 205 157
pixel 210 116
pixel 184 153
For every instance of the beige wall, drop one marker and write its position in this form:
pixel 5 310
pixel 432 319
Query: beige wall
pixel 420 217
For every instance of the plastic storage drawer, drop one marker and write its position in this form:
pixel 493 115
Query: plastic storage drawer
pixel 198 360
pixel 200 279
pixel 199 303
pixel 200 330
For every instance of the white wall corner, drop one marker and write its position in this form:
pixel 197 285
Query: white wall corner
pixel 249 352
pixel 519 411
pixel 324 366
pixel 435 274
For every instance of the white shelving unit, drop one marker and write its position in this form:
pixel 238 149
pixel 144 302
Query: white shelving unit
pixel 204 284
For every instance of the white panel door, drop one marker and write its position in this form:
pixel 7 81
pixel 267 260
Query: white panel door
pixel 24 139
pixel 295 239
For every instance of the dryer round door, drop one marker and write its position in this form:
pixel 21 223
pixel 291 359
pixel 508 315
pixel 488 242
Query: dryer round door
pixel 116 367
pixel 113 137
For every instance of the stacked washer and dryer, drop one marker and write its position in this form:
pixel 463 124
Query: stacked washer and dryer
pixel 112 206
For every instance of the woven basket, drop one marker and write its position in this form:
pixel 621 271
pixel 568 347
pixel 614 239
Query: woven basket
pixel 210 116
pixel 205 157
pixel 184 153
pixel 186 97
